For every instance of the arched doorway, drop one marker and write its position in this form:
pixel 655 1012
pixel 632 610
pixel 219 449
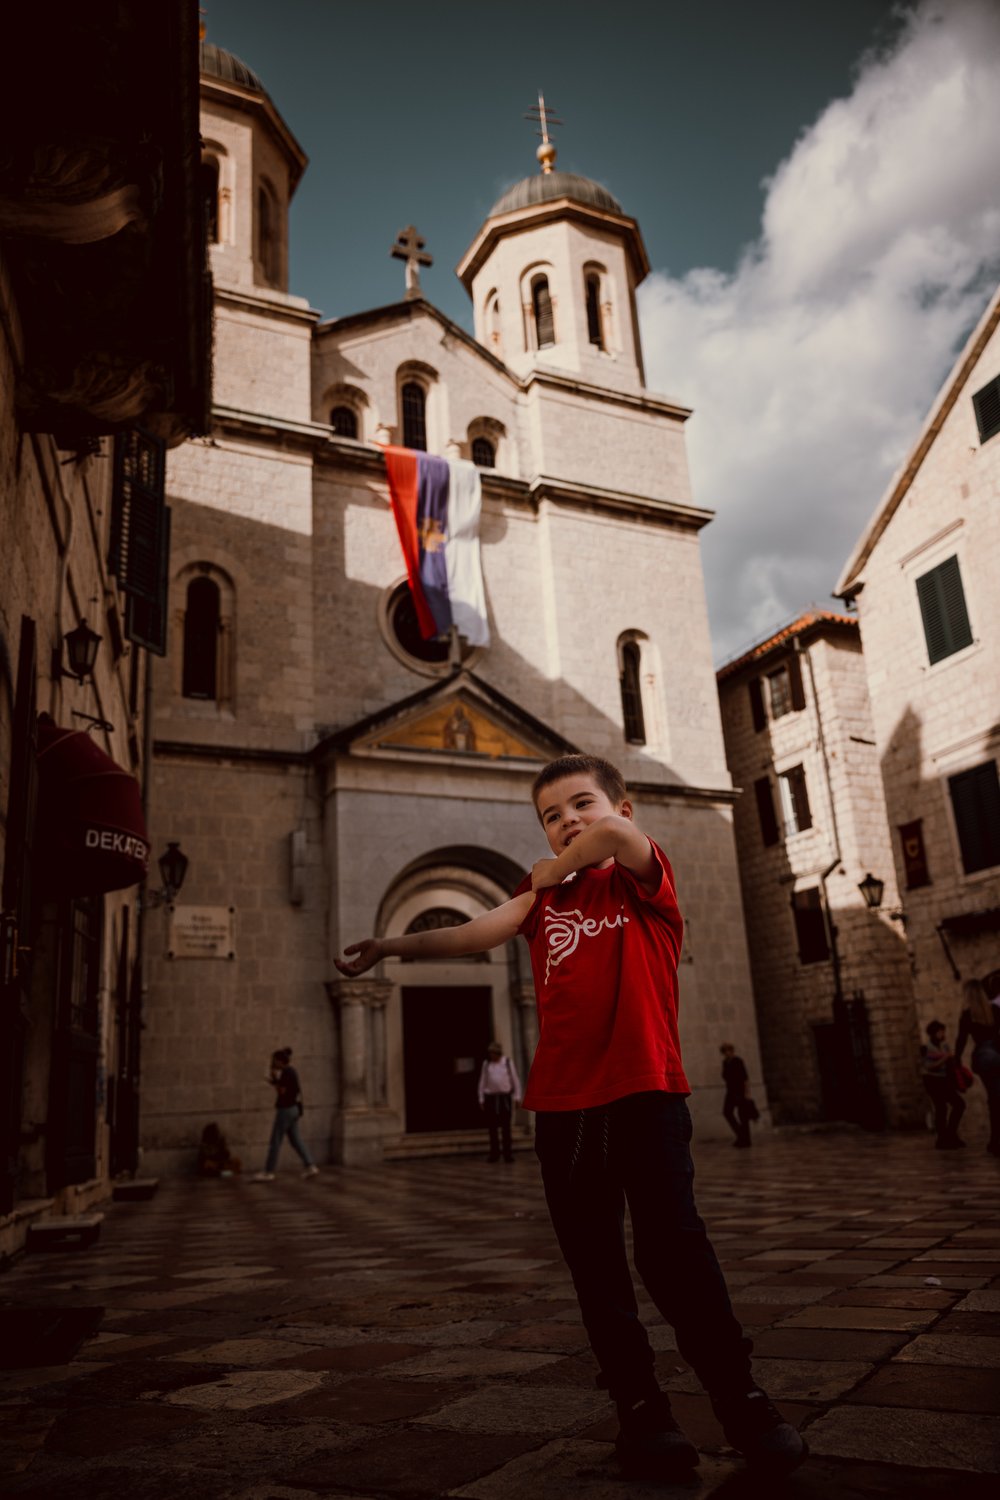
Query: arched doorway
pixel 441 1016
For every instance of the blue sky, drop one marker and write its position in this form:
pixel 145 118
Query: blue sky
pixel 817 184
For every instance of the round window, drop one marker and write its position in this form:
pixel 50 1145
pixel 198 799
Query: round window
pixel 402 634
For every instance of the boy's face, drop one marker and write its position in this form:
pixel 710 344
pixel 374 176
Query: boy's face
pixel 568 806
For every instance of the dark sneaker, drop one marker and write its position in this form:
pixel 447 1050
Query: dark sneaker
pixel 650 1445
pixel 755 1428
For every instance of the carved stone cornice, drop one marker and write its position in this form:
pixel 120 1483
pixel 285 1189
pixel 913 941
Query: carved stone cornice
pixel 75 192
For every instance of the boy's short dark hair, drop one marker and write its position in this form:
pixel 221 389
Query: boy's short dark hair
pixel 608 777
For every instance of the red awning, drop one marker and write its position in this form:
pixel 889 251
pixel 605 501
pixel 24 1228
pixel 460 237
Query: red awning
pixel 91 833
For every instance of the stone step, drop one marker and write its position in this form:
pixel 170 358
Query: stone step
pixel 450 1143
pixel 65 1232
pixel 135 1189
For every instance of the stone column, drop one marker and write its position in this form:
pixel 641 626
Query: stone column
pixel 522 996
pixel 363 1121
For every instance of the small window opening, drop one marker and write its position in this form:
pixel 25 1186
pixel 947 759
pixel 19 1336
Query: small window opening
pixel 631 686
pixel 414 401
pixel 483 453
pixel 795 809
pixel 541 302
pixel 209 184
pixel 201 640
pixel 595 331
pixel 267 235
pixel 344 421
pixel 779 692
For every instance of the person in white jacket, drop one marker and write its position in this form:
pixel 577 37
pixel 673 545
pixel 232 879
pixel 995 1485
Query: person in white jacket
pixel 499 1092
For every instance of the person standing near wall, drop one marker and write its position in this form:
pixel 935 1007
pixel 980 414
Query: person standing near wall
pixel 499 1092
pixel 937 1063
pixel 288 1108
pixel 980 1022
pixel 737 1081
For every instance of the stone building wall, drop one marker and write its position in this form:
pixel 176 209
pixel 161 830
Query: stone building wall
pixel 831 738
pixel 931 721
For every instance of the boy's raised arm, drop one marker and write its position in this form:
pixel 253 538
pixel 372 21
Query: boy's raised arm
pixel 613 837
pixel 488 931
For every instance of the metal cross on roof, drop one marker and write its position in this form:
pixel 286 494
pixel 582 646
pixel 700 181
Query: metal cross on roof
pixel 410 247
pixel 543 117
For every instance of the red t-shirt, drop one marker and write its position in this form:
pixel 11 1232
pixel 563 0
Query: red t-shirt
pixel 604 954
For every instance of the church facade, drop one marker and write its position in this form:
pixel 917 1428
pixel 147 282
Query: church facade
pixel 328 772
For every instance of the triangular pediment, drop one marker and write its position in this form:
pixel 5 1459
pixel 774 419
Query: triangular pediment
pixel 462 719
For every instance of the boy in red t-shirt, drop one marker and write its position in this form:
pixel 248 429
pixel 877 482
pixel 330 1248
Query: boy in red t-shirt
pixel 604 931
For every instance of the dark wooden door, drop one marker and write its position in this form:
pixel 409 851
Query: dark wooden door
pixel 446 1031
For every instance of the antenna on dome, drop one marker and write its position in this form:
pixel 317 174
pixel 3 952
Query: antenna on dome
pixel 543 117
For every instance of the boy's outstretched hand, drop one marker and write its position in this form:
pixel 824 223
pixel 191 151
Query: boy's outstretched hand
pixel 544 872
pixel 368 954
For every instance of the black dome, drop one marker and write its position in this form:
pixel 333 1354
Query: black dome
pixel 218 63
pixel 543 187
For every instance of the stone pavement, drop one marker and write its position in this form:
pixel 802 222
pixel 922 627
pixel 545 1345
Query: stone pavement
pixel 410 1332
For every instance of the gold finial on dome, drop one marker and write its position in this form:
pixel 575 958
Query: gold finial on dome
pixel 546 152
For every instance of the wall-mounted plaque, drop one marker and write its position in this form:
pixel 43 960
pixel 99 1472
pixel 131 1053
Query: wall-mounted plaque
pixel 202 932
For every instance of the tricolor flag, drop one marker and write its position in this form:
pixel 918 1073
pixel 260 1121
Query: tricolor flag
pixel 436 503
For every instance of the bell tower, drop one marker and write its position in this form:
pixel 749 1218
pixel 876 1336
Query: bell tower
pixel 552 276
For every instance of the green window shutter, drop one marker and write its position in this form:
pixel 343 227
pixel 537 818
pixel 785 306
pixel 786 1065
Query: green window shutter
pixel 975 800
pixel 137 514
pixel 943 611
pixel 795 673
pixel 757 704
pixel 765 810
pixel 146 619
pixel 986 405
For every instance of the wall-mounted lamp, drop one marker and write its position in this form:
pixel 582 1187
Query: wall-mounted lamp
pixel 872 889
pixel 173 863
pixel 80 646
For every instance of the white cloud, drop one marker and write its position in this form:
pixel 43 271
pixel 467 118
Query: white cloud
pixel 812 364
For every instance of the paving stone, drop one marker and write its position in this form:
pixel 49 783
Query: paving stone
pixel 790 1379
pixel 350 1359
pixel 243 1390
pixel 543 1338
pixel 979 1302
pixel 251 1353
pixel 96 1430
pixel 949 1283
pixel 982 1324
pixel 828 1343
pixel 897 1435
pixel 415 1463
pixel 917 1298
pixel 896 1318
pixel 518 1409
pixel 923 1386
pixel 373 1400
pixel 952 1349
pixel 458 1363
pixel 792 1295
pixel 570 1469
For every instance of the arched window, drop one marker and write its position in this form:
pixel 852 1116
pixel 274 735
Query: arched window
pixel 595 331
pixel 201 640
pixel 344 421
pixel 414 403
pixel 631 686
pixel 208 182
pixel 493 339
pixel 541 305
pixel 483 453
pixel 268 250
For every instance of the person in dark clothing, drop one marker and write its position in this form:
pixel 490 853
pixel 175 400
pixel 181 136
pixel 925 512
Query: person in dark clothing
pixel 287 1110
pixel 737 1081
pixel 937 1063
pixel 980 1023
